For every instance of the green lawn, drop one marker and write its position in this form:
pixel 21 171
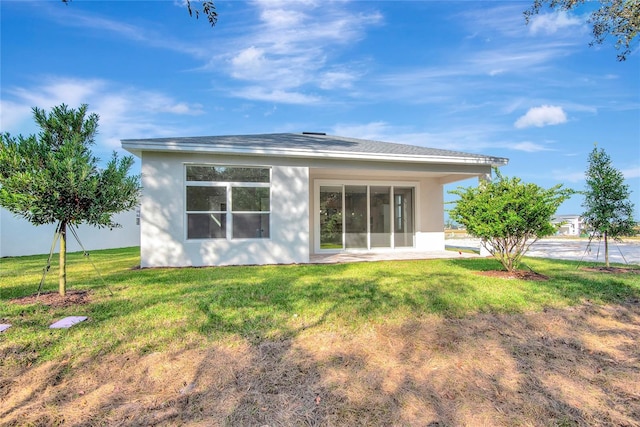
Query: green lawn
pixel 381 343
pixel 169 309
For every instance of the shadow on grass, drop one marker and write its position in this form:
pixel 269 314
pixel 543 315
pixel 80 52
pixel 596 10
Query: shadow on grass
pixel 320 345
pixel 152 308
pixel 486 369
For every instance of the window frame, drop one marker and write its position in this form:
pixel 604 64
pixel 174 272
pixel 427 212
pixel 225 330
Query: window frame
pixel 229 211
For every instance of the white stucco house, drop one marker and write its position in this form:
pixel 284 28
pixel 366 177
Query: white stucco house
pixel 281 198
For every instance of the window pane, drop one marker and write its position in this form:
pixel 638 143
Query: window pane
pixel 206 199
pixel 250 199
pixel 331 217
pixel 206 226
pixel 227 174
pixel 250 226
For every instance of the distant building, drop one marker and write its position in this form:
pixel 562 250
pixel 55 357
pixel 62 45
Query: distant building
pixel 569 225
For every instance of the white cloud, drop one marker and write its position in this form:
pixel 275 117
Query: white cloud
pixel 544 115
pixel 248 63
pixel 281 18
pixel 551 23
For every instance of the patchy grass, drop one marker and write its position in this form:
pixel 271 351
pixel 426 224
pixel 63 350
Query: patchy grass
pixel 383 343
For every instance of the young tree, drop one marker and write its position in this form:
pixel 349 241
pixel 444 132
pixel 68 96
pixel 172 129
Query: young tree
pixel 53 178
pixel 508 215
pixel 619 18
pixel 609 210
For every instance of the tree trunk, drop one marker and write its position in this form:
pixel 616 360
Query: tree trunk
pixel 62 278
pixel 606 249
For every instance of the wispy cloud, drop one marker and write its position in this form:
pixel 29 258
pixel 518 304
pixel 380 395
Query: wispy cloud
pixel 125 112
pixel 258 93
pixel 633 172
pixel 291 50
pixel 95 23
pixel 474 138
pixel 544 115
pixel 568 176
pixel 530 147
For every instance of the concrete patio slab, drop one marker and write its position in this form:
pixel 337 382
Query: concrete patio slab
pixel 387 256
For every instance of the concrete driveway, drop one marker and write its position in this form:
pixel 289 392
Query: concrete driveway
pixel 572 249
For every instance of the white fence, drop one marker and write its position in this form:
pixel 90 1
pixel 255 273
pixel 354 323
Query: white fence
pixel 19 237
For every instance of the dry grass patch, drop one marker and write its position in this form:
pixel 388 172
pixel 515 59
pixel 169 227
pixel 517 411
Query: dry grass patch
pixel 570 366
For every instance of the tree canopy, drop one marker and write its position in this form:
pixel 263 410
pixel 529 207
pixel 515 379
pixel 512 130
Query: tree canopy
pixel 53 178
pixel 508 215
pixel 618 18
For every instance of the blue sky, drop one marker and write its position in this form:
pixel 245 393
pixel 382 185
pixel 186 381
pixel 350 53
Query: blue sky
pixel 460 75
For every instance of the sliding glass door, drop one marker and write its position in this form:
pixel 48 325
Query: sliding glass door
pixel 366 216
pixel 403 217
pixel 355 219
pixel 380 217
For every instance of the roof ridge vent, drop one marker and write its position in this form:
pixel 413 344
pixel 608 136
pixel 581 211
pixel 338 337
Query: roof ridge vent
pixel 314 133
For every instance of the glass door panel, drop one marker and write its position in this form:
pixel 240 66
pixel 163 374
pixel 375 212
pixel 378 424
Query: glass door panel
pixel 380 217
pixel 355 211
pixel 403 216
pixel 331 217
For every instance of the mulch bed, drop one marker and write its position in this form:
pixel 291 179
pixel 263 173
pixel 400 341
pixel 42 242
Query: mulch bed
pixel 519 274
pixel 53 299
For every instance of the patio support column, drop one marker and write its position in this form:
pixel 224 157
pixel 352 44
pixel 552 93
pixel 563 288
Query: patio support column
pixel 484 245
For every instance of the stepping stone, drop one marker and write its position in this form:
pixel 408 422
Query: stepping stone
pixel 67 322
pixel 4 326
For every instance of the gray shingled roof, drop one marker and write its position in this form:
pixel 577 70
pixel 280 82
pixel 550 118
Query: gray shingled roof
pixel 310 143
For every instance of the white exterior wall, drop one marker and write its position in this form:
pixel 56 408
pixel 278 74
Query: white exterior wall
pixel 430 216
pixel 163 219
pixel 18 237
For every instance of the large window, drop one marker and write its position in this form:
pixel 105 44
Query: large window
pixel 228 202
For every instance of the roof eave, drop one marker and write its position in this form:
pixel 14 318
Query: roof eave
pixel 137 147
